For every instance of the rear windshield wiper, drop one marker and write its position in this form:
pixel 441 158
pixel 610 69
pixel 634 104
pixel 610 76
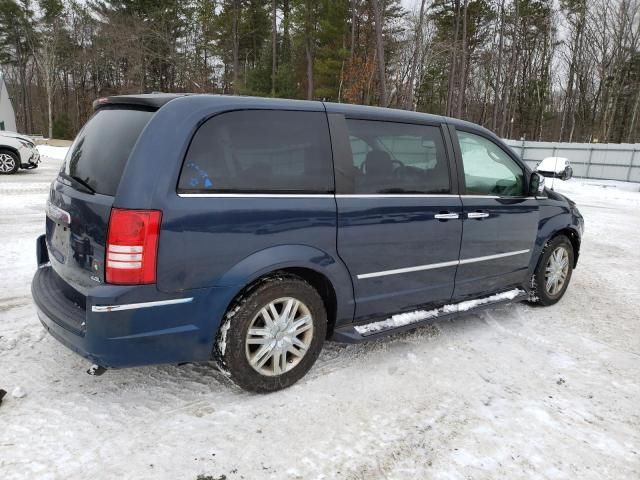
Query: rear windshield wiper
pixel 78 182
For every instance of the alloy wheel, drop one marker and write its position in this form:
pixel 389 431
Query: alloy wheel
pixel 556 271
pixel 7 163
pixel 279 336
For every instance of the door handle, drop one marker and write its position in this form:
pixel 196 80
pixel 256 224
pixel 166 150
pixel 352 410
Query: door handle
pixel 446 216
pixel 477 215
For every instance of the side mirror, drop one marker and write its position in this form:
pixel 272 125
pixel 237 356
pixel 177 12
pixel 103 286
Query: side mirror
pixel 536 184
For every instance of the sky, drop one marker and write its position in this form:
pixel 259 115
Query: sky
pixel 409 4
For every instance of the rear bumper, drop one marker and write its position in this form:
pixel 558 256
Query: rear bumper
pixel 119 327
pixel 68 339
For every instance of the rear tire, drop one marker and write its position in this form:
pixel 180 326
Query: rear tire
pixel 273 334
pixel 9 162
pixel 553 272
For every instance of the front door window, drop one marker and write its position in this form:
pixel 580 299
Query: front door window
pixel 488 170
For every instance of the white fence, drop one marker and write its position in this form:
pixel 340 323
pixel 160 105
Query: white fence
pixel 589 160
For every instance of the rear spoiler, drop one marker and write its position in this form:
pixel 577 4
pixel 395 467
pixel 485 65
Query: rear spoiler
pixel 151 101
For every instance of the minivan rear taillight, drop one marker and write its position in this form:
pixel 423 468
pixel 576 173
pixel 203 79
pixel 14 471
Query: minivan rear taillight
pixel 132 246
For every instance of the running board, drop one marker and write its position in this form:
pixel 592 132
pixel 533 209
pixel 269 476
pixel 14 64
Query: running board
pixel 355 333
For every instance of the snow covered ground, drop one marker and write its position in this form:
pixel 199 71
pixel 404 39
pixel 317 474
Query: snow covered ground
pixel 515 392
pixel 54 153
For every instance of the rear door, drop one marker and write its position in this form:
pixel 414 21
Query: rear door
pixel 399 225
pixel 500 221
pixel 81 197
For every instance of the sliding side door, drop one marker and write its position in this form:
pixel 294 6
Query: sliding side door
pixel 399 214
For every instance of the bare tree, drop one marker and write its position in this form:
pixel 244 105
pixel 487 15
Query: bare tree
pixel 309 44
pixel 498 79
pixel 378 15
pixel 416 57
pixel 463 60
pixel 274 40
pixel 454 60
pixel 236 45
pixel 46 56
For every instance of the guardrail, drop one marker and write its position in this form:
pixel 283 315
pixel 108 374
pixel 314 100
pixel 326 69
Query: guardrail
pixel 589 160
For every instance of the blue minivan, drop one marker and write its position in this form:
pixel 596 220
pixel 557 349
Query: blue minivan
pixel 248 230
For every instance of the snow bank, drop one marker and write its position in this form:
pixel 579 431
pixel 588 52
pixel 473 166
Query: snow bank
pixel 53 152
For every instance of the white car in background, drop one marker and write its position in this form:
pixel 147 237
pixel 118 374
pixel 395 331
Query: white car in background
pixel 17 151
pixel 555 167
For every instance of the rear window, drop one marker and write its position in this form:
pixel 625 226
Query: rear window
pixel 260 151
pixel 100 151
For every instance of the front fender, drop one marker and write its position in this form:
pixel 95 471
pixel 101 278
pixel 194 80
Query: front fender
pixel 555 217
pixel 281 257
pixel 9 146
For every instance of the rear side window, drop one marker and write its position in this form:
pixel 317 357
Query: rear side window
pixel 100 151
pixel 397 158
pixel 260 151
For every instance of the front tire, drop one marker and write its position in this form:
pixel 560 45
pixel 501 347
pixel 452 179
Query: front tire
pixel 273 334
pixel 553 272
pixel 9 162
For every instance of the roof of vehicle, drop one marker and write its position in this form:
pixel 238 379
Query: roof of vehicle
pixel 157 100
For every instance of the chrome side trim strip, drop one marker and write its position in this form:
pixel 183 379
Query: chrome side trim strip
pixel 393 195
pixel 340 195
pixel 499 197
pixel 256 195
pixel 427 195
pixel 492 257
pixel 133 306
pixel 481 196
pixel 309 195
pixel 439 265
pixel 409 269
